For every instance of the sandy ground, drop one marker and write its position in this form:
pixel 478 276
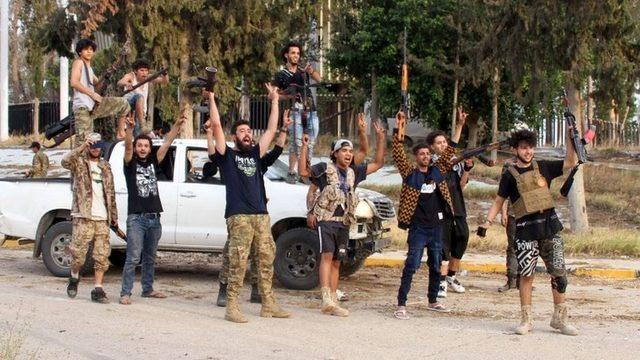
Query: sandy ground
pixel 38 320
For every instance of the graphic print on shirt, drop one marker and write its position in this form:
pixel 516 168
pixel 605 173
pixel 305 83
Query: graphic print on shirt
pixel 96 177
pixel 146 181
pixel 428 188
pixel 246 164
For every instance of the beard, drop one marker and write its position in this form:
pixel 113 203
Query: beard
pixel 242 146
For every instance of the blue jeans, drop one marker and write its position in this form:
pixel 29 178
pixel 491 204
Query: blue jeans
pixel 132 98
pixel 419 238
pixel 296 131
pixel 143 234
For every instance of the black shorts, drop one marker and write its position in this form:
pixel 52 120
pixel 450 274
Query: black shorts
pixel 455 238
pixel 332 234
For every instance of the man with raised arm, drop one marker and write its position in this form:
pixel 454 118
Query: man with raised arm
pixel 144 208
pixel 334 209
pixel 422 212
pixel 526 184
pixel 248 223
pixel 267 161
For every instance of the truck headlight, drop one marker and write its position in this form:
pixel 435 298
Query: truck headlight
pixel 364 210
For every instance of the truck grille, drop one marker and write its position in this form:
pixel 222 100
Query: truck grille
pixel 385 208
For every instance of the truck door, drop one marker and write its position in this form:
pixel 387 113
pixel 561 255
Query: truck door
pixel 201 201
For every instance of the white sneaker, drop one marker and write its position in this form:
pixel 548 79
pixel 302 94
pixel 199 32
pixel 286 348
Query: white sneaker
pixel 455 284
pixel 442 293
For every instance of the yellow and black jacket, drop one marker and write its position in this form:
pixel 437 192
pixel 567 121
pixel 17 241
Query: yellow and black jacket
pixel 412 180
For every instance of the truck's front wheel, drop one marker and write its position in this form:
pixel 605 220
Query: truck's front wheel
pixel 297 259
pixel 54 250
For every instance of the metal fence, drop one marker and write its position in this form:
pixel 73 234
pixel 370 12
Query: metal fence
pixel 21 117
pixel 336 114
pixel 553 132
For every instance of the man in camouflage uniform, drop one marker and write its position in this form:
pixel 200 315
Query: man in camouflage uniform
pixel 40 163
pixel 88 105
pixel 246 212
pixel 93 209
pixel 267 161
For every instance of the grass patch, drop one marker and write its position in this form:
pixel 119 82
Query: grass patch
pixel 604 242
pixel 480 192
pixel 25 140
pixel 598 241
pixel 392 191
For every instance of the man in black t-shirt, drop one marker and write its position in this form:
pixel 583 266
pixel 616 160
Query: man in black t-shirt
pixel 144 207
pixel 334 209
pixel 455 231
pixel 527 184
pixel 267 161
pixel 293 83
pixel 248 223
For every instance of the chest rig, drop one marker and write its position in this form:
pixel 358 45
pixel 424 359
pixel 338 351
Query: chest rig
pixel 333 196
pixel 535 196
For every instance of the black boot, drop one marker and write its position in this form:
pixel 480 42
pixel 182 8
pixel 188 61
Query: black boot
pixel 72 287
pixel 222 295
pixel 511 284
pixel 255 294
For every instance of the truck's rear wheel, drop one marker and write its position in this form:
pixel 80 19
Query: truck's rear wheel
pixel 297 259
pixel 54 250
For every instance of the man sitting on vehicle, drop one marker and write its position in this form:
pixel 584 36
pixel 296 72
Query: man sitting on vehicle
pixel 92 210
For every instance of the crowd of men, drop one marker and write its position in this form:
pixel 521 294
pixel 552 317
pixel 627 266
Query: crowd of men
pixel 432 206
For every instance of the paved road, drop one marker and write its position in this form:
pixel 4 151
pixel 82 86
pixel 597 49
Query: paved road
pixel 35 310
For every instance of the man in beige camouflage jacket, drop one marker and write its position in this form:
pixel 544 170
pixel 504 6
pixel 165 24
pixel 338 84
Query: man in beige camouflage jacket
pixel 93 210
pixel 40 163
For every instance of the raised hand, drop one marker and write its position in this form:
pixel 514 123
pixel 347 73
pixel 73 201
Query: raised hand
pixel 286 120
pixel 401 120
pixel 309 69
pixel 272 92
pixel 362 124
pixel 305 140
pixel 130 120
pixel 462 117
pixel 181 120
pixel 379 129
pixel 208 128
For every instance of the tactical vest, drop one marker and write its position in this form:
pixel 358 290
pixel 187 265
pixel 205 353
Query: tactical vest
pixel 535 196
pixel 332 196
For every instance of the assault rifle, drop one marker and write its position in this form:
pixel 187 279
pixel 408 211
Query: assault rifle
pixel 577 142
pixel 116 229
pixel 154 76
pixel 450 157
pixel 404 84
pixel 64 129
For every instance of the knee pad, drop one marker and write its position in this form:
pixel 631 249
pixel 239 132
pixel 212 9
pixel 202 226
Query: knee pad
pixel 559 284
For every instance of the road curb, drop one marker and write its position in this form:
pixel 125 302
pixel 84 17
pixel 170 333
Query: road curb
pixel 618 274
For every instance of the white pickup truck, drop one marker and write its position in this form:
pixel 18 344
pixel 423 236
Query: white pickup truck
pixel 193 218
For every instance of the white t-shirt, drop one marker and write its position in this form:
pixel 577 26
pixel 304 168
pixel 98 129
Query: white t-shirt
pixel 98 207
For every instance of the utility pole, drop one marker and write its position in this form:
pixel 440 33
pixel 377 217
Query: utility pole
pixel 64 79
pixel 4 70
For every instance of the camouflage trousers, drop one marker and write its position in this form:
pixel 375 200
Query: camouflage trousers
pixel 84 233
pixel 109 107
pixel 224 272
pixel 250 234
